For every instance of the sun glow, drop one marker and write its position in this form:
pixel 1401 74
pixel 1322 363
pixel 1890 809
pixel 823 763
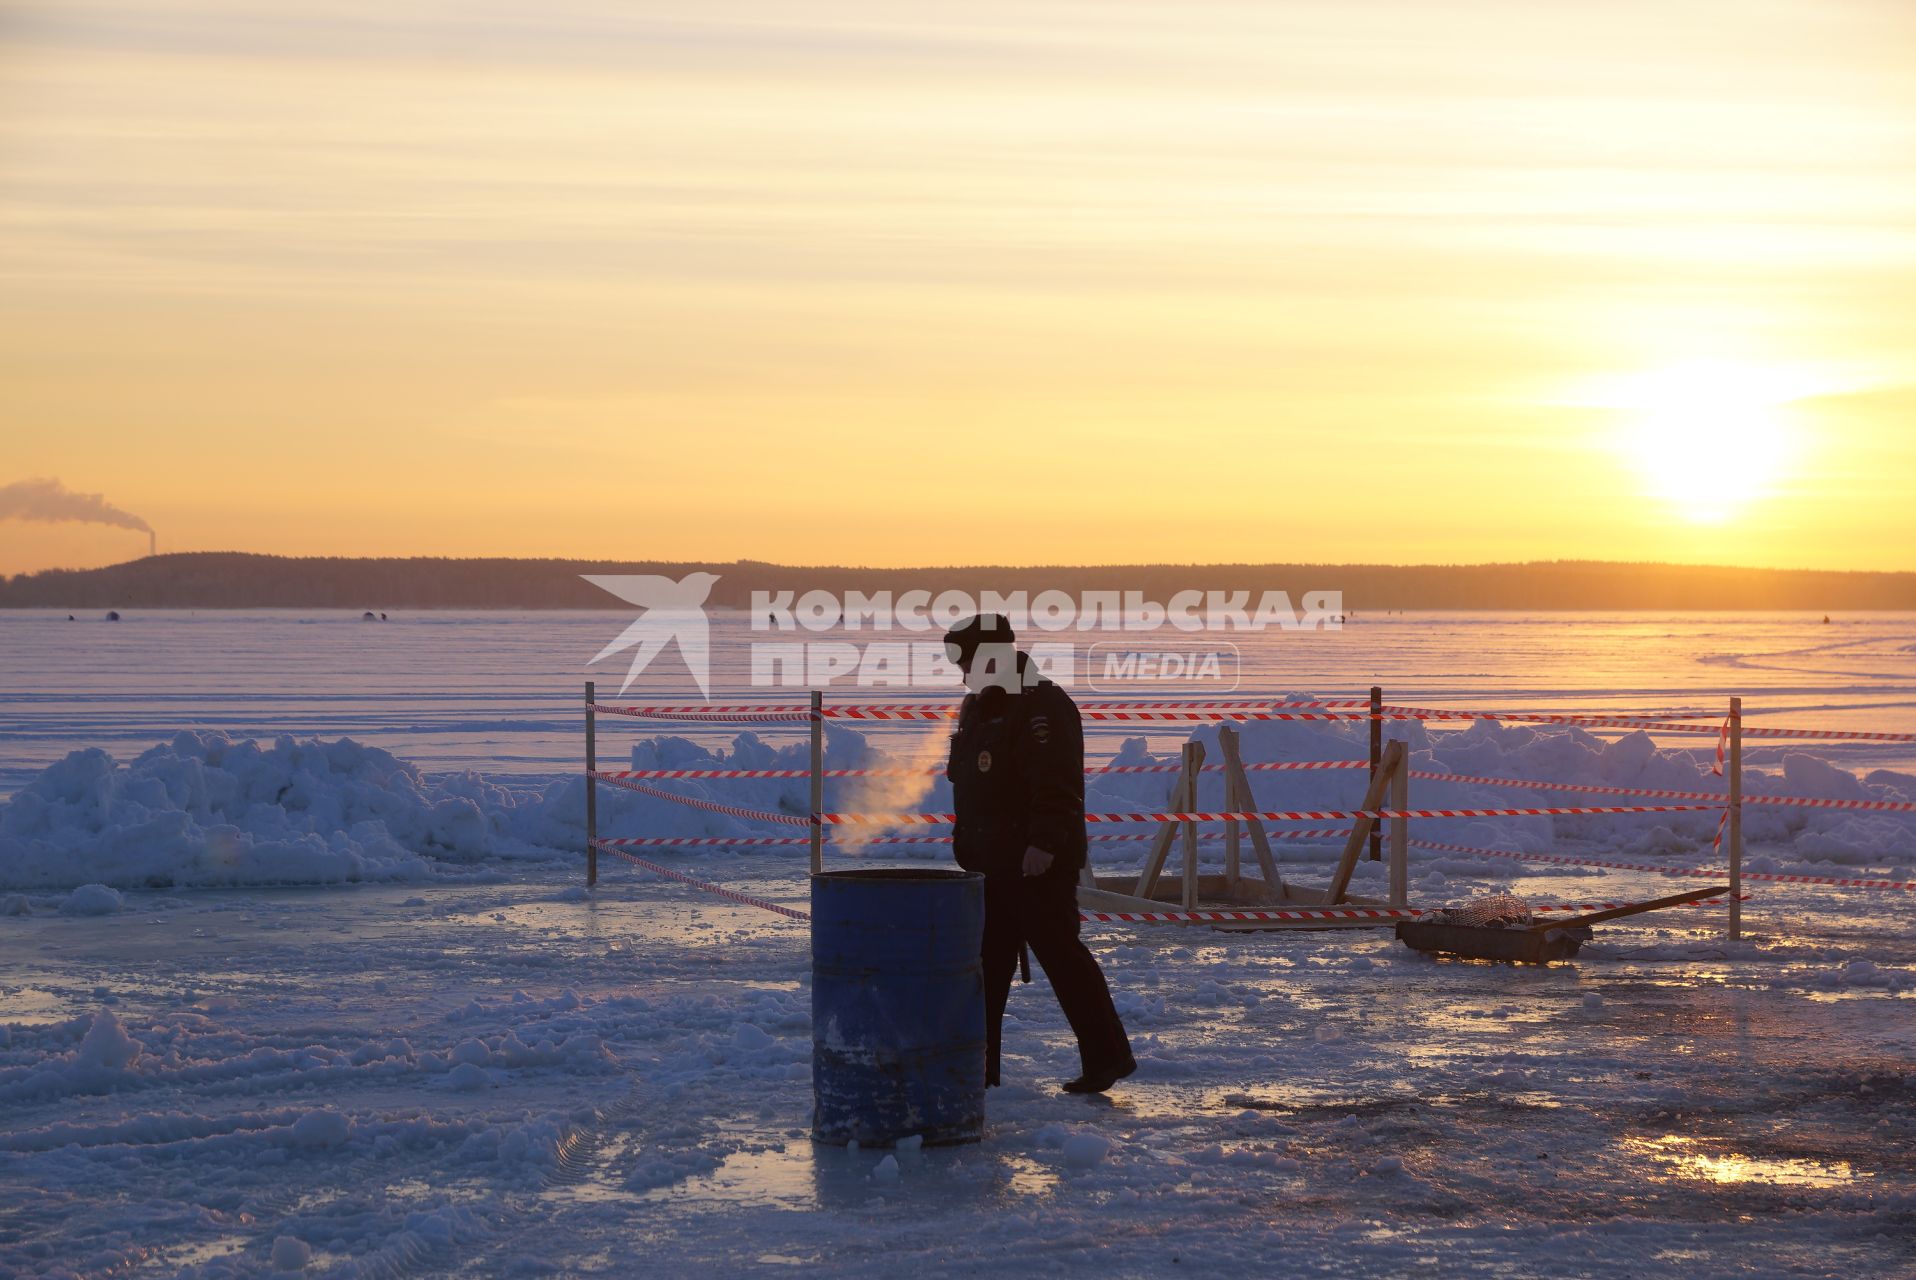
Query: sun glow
pixel 1709 437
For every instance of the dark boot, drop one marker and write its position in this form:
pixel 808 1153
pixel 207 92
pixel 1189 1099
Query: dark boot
pixel 1098 1079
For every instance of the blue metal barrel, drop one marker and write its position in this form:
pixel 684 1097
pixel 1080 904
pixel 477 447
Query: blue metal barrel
pixel 898 1006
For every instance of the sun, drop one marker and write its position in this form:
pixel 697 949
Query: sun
pixel 1708 436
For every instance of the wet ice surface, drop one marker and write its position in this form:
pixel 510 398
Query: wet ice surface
pixel 513 1078
pixel 487 1072
pixel 499 691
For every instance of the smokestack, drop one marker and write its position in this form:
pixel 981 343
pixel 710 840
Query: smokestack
pixel 51 502
pixel 152 543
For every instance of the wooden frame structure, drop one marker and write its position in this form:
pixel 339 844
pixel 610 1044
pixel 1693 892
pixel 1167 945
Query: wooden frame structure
pixel 1389 785
pixel 1150 890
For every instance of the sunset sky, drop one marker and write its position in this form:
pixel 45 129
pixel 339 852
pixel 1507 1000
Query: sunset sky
pixel 886 283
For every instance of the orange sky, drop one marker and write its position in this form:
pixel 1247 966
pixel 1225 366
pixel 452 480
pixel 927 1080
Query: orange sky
pixel 1037 282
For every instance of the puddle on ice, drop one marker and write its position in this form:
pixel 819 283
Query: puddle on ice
pixel 32 1007
pixel 800 1174
pixel 199 1252
pixel 785 1174
pixel 1687 1158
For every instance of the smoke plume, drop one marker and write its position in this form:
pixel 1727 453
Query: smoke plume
pixel 50 501
pixel 899 792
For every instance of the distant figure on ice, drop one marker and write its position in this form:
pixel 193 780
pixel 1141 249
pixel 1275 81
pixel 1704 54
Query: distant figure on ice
pixel 1017 784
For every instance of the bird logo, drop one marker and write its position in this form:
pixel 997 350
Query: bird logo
pixel 673 611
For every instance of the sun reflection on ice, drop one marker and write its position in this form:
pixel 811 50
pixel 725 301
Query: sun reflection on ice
pixel 1686 1158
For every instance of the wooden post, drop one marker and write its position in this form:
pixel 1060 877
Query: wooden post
pixel 1360 830
pixel 1736 818
pixel 818 781
pixel 1239 797
pixel 1232 803
pixel 591 790
pixel 1193 762
pixel 1376 754
pixel 1399 836
pixel 1183 800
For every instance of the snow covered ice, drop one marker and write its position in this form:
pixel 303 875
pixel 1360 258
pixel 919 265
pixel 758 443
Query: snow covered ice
pixel 305 1005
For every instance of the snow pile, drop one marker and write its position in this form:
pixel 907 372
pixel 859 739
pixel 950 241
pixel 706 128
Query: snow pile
pixel 91 900
pixel 1485 748
pixel 205 809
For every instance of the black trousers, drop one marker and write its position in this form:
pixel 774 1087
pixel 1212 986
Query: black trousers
pixel 1042 912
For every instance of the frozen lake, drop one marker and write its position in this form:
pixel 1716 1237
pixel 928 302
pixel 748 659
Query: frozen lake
pixel 499 692
pixel 460 1063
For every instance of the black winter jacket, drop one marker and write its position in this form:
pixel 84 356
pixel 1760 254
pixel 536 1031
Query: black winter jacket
pixel 1017 779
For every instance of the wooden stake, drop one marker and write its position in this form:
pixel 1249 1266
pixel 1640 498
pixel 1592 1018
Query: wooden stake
pixel 1239 798
pixel 1376 752
pixel 1735 833
pixel 591 791
pixel 818 781
pixel 1193 761
pixel 1399 837
pixel 1393 760
pixel 1183 800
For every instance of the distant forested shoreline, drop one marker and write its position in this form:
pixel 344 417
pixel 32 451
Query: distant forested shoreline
pixel 235 580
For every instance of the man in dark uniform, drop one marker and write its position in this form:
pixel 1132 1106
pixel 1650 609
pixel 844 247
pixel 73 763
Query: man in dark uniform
pixel 1017 784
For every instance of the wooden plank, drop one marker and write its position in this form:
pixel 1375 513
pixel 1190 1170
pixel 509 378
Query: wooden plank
pixel 818 781
pixel 1193 763
pixel 1399 840
pixel 1734 825
pixel 1094 899
pixel 1376 749
pixel 1181 802
pixel 1387 768
pixel 591 791
pixel 1638 908
pixel 1242 800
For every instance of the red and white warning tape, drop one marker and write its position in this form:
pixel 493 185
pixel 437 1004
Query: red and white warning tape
pixel 1248 709
pixel 1794 802
pixel 706 885
pixel 1662 726
pixel 1380 914
pixel 1588 721
pixel 770 773
pixel 1283 815
pixel 756 842
pixel 756 815
pixel 712 715
pixel 1176 917
pixel 1804 802
pixel 1830 735
pixel 701 842
pixel 1560 859
pixel 1275 766
pixel 1703 873
pixel 1592 788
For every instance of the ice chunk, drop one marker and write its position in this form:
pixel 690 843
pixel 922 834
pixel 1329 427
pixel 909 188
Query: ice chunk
pixel 321 1129
pixel 291 1254
pixel 92 900
pixel 107 1044
pixel 1083 1150
pixel 466 1077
